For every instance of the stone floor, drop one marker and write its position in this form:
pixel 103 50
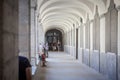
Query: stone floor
pixel 61 66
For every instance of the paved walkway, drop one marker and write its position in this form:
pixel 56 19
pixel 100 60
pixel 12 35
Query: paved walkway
pixel 61 66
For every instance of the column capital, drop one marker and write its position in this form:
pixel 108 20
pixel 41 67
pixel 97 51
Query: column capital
pixel 112 5
pixel 118 8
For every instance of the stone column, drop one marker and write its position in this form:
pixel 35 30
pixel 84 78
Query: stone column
pixel 81 37
pixel 111 19
pixel 77 43
pixel 91 35
pixel 78 37
pixel 71 37
pixel 8 39
pixel 111 29
pixel 64 38
pixel 87 40
pixel 84 36
pixel 118 43
pixel 24 28
pixel 32 32
pixel 82 40
pixel 74 37
pixel 72 46
pixel 102 34
pixel 119 30
pixel 87 34
pixel 36 36
pixel 95 56
pixel 91 41
pixel 67 39
pixel 40 33
pixel 96 31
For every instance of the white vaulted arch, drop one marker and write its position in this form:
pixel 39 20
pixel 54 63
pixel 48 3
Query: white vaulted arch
pixel 65 13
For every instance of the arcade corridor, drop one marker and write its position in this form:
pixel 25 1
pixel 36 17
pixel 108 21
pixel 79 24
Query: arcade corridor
pixel 62 66
pixel 85 33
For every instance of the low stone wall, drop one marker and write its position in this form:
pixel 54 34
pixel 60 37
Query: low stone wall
pixel 103 62
pixel 86 57
pixel 118 67
pixel 80 52
pixel 72 50
pixel 106 64
pixel 94 60
pixel 69 49
pixel 111 66
pixel 65 48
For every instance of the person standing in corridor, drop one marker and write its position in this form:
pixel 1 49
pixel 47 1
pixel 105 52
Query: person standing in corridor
pixel 40 50
pixel 24 69
pixel 46 49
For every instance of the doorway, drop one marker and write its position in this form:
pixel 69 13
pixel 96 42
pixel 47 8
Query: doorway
pixel 54 39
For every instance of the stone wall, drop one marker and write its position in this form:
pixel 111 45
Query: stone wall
pixel 33 31
pixel 94 60
pixel 103 62
pixel 9 40
pixel 1 51
pixel 24 28
pixel 111 66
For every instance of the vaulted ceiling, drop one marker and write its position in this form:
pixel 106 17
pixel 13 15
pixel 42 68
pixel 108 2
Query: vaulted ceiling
pixel 66 14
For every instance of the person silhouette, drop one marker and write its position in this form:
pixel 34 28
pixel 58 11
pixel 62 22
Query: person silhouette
pixel 24 69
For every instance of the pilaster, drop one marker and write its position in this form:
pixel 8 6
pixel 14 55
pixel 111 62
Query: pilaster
pixel 111 29
pixel 96 31
pixel 87 33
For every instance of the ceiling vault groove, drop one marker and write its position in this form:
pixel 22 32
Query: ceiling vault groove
pixel 63 14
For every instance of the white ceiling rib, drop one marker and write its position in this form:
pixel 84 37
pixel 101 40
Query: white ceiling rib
pixel 63 14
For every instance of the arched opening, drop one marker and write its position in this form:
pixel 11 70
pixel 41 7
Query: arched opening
pixel 54 39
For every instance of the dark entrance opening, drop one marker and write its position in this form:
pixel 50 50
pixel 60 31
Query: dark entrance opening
pixel 54 39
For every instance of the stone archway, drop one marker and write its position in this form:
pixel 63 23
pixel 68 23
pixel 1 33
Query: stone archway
pixel 54 39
